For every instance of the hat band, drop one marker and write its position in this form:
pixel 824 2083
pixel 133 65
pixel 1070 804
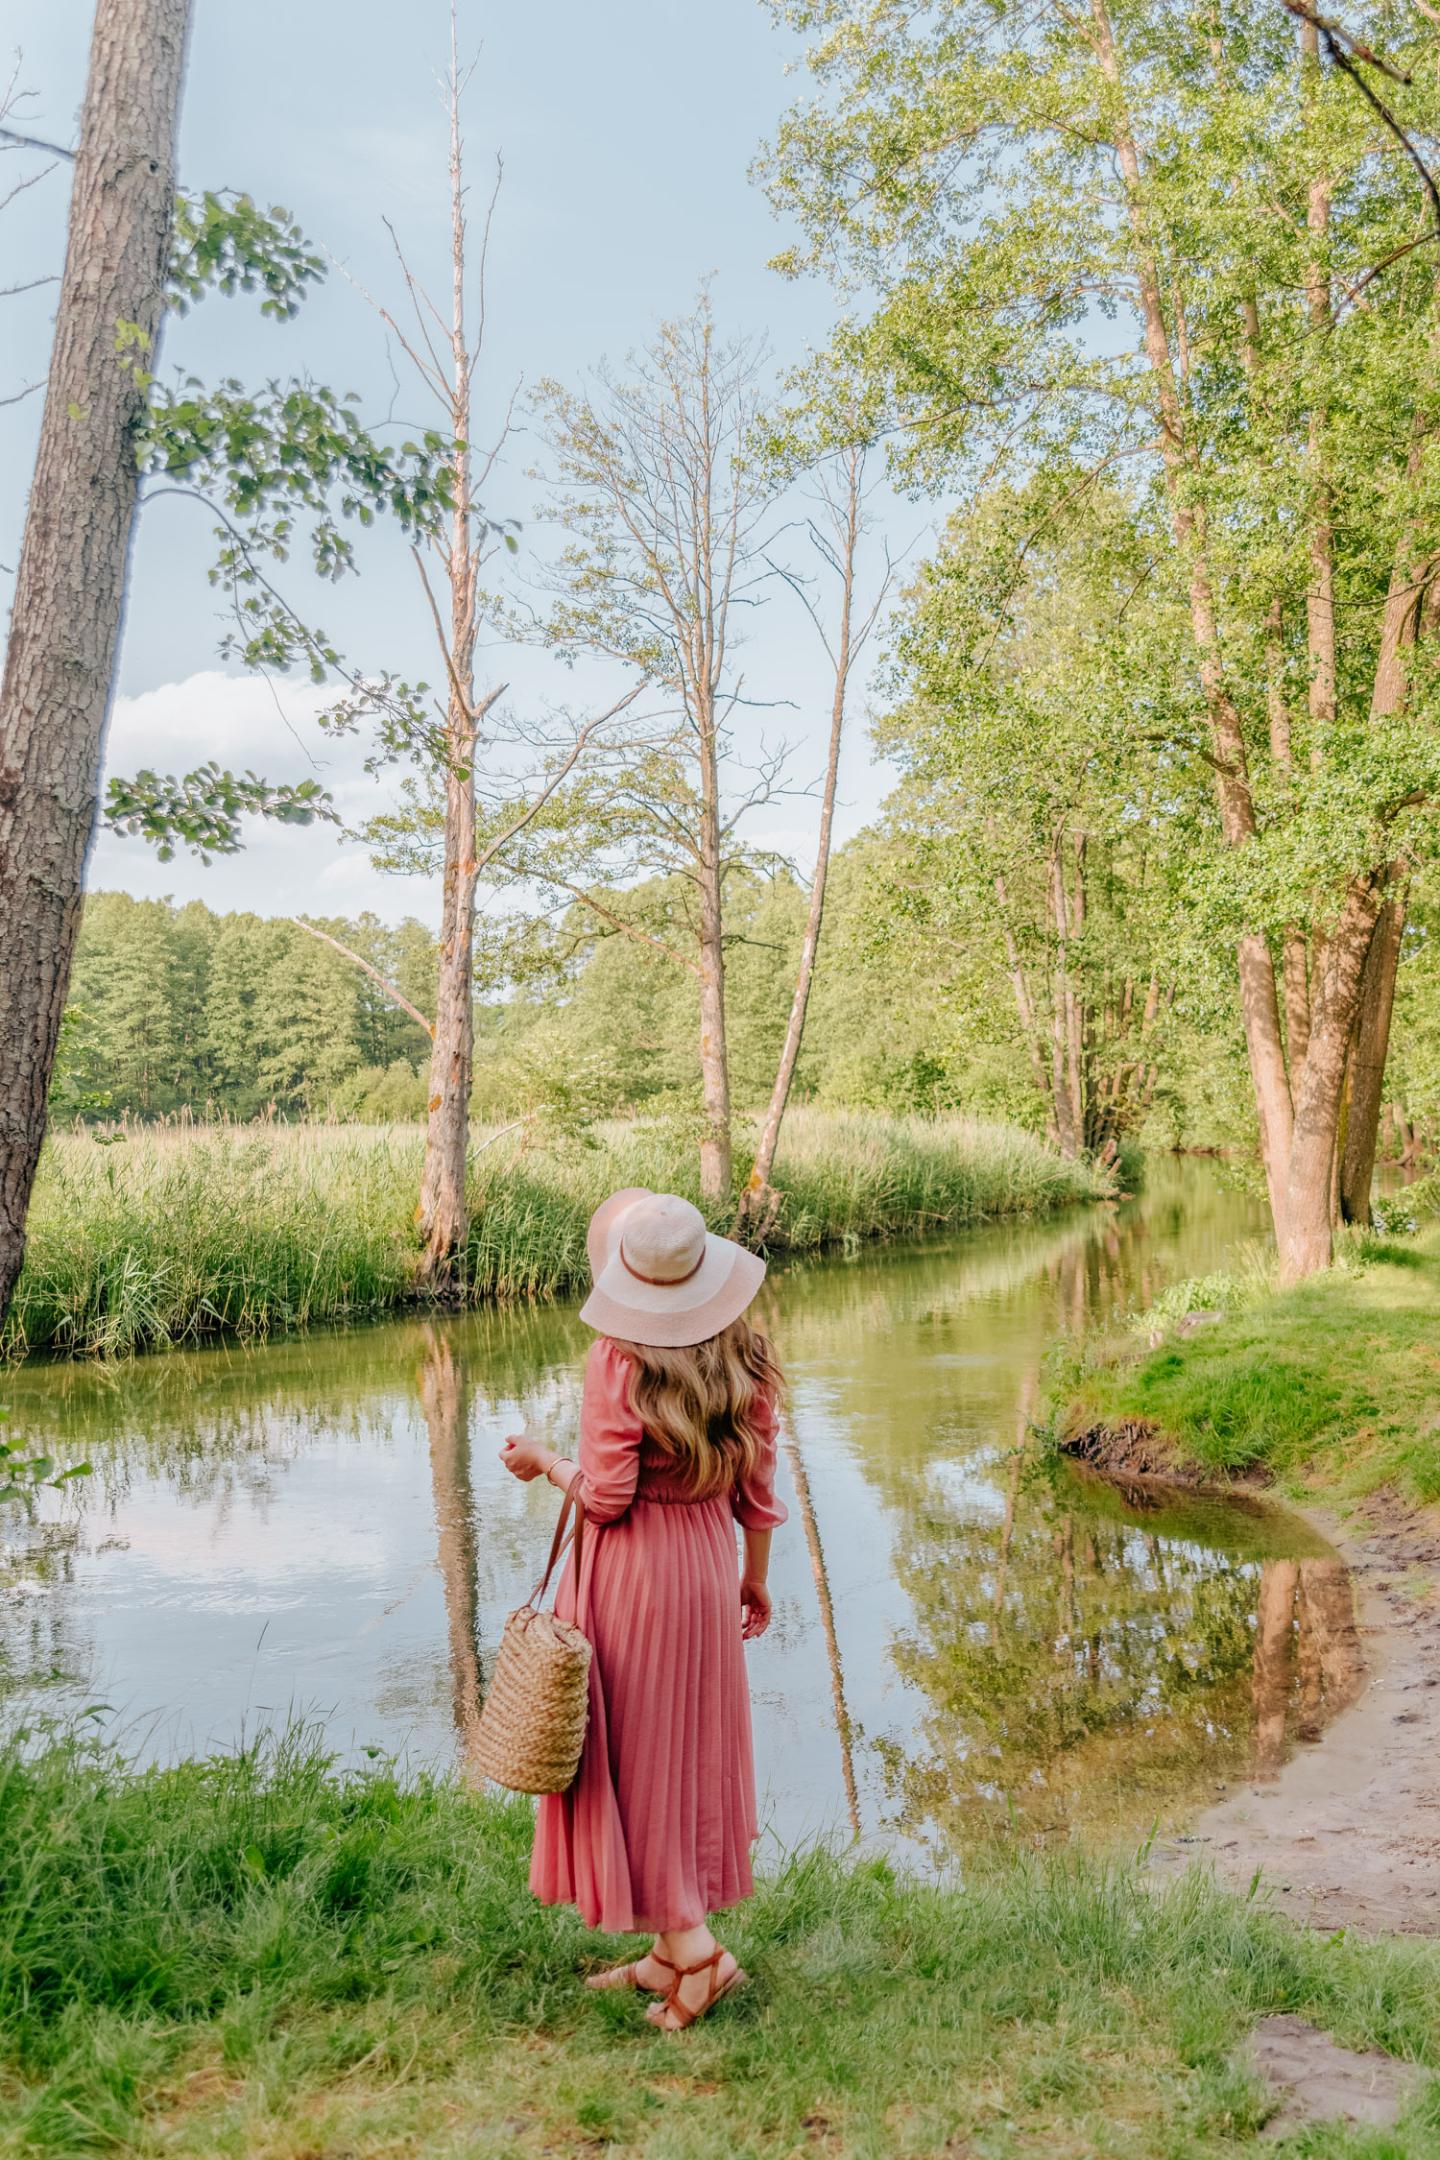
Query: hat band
pixel 661 1282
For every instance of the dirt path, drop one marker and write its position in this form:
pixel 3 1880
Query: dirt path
pixel 1347 1833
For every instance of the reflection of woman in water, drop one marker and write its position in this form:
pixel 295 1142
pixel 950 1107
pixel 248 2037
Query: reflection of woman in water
pixel 677 1445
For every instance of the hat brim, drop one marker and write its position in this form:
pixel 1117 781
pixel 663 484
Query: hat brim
pixel 668 1316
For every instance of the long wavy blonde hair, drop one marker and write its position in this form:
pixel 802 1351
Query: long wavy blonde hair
pixel 701 1404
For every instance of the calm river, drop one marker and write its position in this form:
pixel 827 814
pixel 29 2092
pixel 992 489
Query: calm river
pixel 965 1640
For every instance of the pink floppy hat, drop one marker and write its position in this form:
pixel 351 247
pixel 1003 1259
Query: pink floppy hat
pixel 661 1277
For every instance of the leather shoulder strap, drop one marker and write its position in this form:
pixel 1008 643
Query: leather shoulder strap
pixel 559 1542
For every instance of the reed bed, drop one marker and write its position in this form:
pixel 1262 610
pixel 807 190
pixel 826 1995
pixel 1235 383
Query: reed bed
pixel 170 1236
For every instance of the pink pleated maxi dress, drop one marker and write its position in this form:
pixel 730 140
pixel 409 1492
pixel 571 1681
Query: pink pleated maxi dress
pixel 656 1831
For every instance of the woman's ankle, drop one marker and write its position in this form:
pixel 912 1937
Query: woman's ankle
pixel 686 1947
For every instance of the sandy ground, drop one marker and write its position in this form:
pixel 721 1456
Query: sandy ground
pixel 1347 1833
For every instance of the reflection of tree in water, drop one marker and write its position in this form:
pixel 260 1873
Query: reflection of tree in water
pixel 445 1396
pixel 1079 1671
pixel 844 1731
pixel 37 1561
pixel 1309 1663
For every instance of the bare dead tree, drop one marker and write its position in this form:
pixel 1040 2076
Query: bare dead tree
pixel 836 534
pixel 664 500
pixel 443 348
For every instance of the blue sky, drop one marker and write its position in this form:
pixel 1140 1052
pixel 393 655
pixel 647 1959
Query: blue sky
pixel 626 134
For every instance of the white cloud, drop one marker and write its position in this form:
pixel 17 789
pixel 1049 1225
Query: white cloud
pixel 244 724
pixel 241 720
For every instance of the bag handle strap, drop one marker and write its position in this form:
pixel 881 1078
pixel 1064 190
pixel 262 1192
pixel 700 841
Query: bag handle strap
pixel 559 1542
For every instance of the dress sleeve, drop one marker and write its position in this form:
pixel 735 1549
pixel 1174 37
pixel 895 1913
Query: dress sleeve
pixel 753 1497
pixel 610 1436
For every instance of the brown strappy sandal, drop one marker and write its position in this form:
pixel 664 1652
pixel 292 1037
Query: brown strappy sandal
pixel 681 2012
pixel 620 1976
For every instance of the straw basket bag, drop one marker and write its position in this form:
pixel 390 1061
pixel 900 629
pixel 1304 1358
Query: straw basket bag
pixel 532 1726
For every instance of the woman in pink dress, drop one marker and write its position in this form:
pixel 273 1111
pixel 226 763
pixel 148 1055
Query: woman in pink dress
pixel 677 1446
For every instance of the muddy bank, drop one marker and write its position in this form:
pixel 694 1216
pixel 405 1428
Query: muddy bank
pixel 1133 1448
pixel 1346 1833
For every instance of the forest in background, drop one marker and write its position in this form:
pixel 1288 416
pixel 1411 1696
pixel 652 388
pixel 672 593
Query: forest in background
pixel 183 1011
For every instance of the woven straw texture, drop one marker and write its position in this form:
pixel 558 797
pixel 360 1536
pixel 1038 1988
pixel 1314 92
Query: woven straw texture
pixel 532 1726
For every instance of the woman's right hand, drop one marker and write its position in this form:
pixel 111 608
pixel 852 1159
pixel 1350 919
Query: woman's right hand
pixel 754 1609
pixel 526 1457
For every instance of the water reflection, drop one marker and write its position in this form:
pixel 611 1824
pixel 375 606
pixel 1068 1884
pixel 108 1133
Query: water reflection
pixel 1309 1663
pixel 1085 1664
pixel 445 1397
pixel 966 1642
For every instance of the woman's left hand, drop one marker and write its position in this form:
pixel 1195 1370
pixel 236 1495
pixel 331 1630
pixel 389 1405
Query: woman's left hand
pixel 754 1610
pixel 525 1457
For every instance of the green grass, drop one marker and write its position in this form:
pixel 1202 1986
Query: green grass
pixel 254 1957
pixel 170 1236
pixel 1333 1386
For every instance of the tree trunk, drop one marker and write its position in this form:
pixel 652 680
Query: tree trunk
pixel 75 555
pixel 1024 1006
pixel 1367 1071
pixel 1067 1125
pixel 1260 1010
pixel 715 1166
pixel 443 1213
pixel 1306 1240
pixel 1077 1018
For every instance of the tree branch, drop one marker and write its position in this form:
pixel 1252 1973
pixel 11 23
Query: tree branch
pixel 1336 39
pixel 395 996
pixel 35 142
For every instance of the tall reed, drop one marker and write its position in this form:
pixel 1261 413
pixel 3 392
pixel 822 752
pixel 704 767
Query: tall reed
pixel 168 1236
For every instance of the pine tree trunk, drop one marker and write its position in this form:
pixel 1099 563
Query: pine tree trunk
pixel 75 555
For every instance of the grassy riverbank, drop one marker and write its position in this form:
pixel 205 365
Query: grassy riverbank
pixel 170 1236
pixel 1332 1387
pixel 253 1957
